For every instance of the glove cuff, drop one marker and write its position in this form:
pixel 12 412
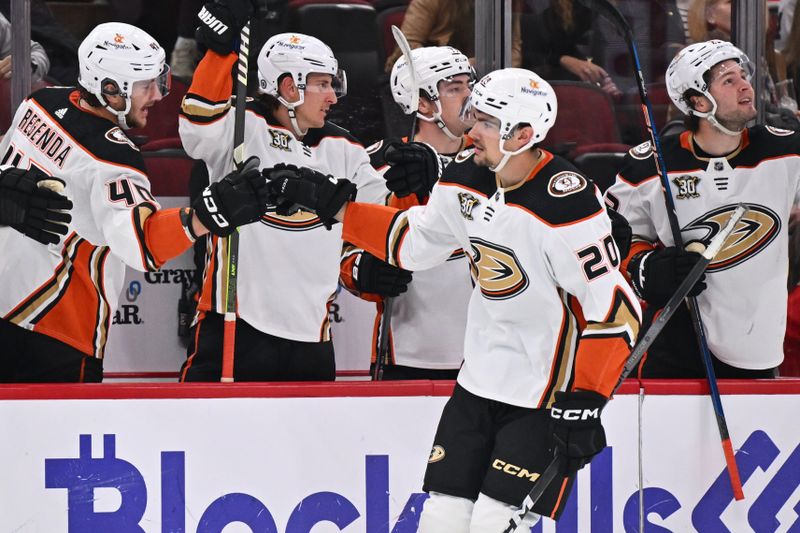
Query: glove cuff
pixel 636 271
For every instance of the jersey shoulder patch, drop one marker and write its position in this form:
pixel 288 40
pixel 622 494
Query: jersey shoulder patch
pixel 642 151
pixel 558 194
pixel 463 172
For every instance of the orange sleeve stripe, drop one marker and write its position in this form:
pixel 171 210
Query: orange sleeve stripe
pixel 599 363
pixel 405 202
pixel 164 235
pixel 212 78
pixel 367 226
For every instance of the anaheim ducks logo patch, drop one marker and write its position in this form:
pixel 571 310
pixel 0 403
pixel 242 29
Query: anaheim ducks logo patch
pixel 641 151
pixel 463 155
pixel 759 227
pixel 116 135
pixel 437 454
pixel 778 131
pixel 497 270
pixel 565 183
pixel 299 221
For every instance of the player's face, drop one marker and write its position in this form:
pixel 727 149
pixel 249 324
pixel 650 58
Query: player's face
pixel 452 95
pixel 731 88
pixel 318 98
pixel 485 135
pixel 144 95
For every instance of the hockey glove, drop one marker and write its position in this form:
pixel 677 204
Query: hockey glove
pixel 577 430
pixel 621 232
pixel 372 275
pixel 220 24
pixel 415 168
pixel 308 189
pixel 30 205
pixel 656 274
pixel 239 198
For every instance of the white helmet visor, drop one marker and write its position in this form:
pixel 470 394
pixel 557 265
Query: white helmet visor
pixel 320 83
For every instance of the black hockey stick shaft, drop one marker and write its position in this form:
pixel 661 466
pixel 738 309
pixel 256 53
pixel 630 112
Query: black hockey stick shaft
pixel 643 344
pixel 382 358
pixel 608 10
pixel 229 327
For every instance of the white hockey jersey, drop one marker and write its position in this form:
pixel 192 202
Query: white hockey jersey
pixel 537 250
pixel 288 266
pixel 744 307
pixel 430 318
pixel 69 291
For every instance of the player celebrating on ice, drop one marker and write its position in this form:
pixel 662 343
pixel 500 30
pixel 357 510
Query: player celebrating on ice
pixel 540 244
pixel 712 167
pixel 426 338
pixel 288 266
pixel 57 300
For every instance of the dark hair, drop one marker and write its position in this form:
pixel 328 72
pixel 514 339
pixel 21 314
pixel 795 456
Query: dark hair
pixel 88 97
pixel 269 101
pixel 691 121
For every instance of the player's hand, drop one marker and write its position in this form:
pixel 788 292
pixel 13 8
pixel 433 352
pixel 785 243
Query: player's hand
pixel 372 275
pixel 621 232
pixel 577 430
pixel 31 204
pixel 292 188
pixel 415 168
pixel 656 274
pixel 220 23
pixel 239 198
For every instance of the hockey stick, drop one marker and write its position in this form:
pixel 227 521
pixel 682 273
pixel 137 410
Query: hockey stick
pixel 382 358
pixel 229 332
pixel 617 19
pixel 644 343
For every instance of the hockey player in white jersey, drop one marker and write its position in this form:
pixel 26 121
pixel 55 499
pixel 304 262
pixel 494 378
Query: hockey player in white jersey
pixel 288 266
pixel 426 335
pixel 540 244
pixel 712 167
pixel 58 300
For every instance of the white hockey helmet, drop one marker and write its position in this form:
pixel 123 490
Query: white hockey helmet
pixel 121 54
pixel 298 55
pixel 689 70
pixel 432 64
pixel 514 96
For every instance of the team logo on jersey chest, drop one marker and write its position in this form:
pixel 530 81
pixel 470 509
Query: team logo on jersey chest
pixel 280 140
pixel 116 135
pixel 497 270
pixel 687 187
pixel 778 131
pixel 565 183
pixel 467 203
pixel 753 233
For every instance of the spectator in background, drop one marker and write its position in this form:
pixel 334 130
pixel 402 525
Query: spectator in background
pixel 709 19
pixel 447 23
pixel 59 44
pixel 185 54
pixel 551 48
pixel 40 63
pixel 785 21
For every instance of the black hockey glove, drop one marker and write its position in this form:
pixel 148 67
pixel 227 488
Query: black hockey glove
pixel 577 430
pixel 221 22
pixel 308 189
pixel 656 274
pixel 621 232
pixel 372 275
pixel 415 168
pixel 239 198
pixel 30 204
